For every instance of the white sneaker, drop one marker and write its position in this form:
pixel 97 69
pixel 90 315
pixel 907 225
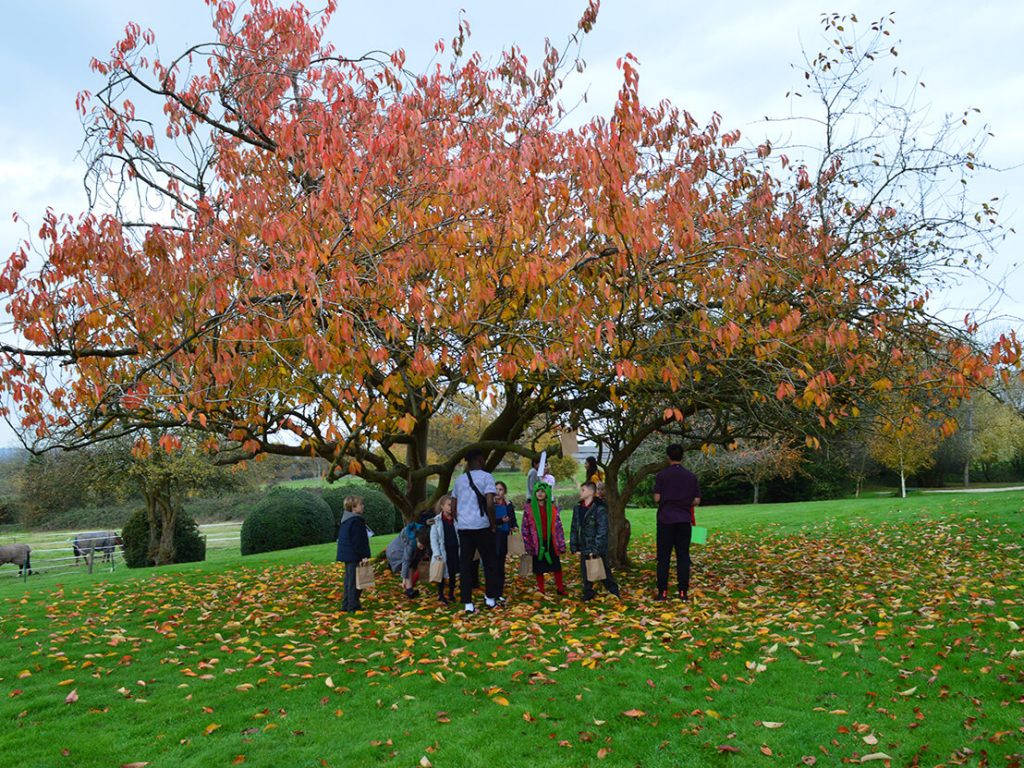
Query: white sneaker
pixel 470 608
pixel 490 602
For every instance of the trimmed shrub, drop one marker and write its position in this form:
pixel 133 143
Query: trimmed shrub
pixel 287 518
pixel 381 515
pixel 189 544
pixel 563 468
pixel 8 512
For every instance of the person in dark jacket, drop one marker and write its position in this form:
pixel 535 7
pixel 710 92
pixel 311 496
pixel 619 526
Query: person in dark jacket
pixel 589 536
pixel 353 548
pixel 676 492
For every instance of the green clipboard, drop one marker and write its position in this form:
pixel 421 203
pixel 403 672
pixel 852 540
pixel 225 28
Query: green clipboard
pixel 698 535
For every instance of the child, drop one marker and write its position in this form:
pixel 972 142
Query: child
pixel 543 536
pixel 589 536
pixel 505 516
pixel 417 547
pixel 444 543
pixel 353 548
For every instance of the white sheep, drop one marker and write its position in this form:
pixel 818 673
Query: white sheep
pixel 19 554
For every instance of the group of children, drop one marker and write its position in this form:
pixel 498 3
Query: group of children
pixel 435 539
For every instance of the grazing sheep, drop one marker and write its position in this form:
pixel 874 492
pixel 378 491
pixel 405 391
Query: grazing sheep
pixel 19 554
pixel 103 542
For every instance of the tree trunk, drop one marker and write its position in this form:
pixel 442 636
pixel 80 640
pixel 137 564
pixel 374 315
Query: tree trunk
pixel 969 445
pixel 153 516
pixel 903 480
pixel 757 492
pixel 162 513
pixel 619 529
pixel 166 549
pixel 416 458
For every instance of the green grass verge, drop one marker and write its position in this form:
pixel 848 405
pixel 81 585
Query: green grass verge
pixel 832 631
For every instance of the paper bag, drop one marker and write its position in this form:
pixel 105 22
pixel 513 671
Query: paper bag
pixel 437 570
pixel 364 575
pixel 515 544
pixel 595 569
pixel 525 565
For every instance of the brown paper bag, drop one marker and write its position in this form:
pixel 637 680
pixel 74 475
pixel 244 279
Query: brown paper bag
pixel 595 569
pixel 437 570
pixel 515 544
pixel 525 565
pixel 364 575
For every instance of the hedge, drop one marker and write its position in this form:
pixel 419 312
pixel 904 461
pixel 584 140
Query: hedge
pixel 287 518
pixel 381 515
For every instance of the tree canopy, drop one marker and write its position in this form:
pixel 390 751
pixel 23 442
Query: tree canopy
pixel 304 252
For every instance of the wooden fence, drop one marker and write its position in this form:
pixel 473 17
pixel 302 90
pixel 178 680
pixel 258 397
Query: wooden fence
pixel 53 553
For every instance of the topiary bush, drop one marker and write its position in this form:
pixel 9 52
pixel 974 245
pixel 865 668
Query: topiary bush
pixel 189 543
pixel 563 468
pixel 380 512
pixel 286 518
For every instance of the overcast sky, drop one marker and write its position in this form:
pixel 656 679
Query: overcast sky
pixel 733 58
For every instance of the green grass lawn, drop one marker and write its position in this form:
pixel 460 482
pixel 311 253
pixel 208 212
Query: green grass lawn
pixel 818 633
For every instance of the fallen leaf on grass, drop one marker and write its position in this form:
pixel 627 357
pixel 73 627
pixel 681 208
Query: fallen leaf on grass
pixel 134 765
pixel 870 739
pixel 239 759
pixel 808 760
pixel 500 700
pixel 425 762
pixel 210 728
pixel 766 750
pixel 908 692
pixel 634 713
pixel 767 724
pixel 875 756
pixel 72 697
pixel 727 748
pixel 602 753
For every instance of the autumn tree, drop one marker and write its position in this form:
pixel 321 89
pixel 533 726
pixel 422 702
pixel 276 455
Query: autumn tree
pixel 332 250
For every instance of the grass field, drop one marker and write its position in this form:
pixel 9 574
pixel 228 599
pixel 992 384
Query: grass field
pixel 819 633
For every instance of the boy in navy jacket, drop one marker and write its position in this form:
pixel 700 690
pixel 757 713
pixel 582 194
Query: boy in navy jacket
pixel 353 548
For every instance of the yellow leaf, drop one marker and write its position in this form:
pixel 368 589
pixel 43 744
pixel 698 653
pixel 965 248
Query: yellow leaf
pixel 23 674
pixel 500 700
pixel 211 728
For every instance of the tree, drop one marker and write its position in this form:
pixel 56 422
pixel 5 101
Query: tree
pixel 343 249
pixel 758 461
pixel 903 440
pixel 998 433
pixel 163 478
